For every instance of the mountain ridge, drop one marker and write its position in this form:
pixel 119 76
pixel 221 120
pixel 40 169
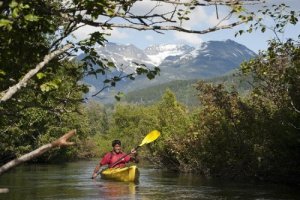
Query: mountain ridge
pixel 177 62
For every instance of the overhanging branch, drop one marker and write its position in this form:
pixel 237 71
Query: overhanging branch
pixel 162 28
pixel 6 95
pixel 213 2
pixel 62 141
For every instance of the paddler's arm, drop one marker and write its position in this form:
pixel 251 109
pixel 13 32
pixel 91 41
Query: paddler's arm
pixel 104 161
pixel 96 170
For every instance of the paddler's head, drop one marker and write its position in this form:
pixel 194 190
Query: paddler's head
pixel 116 144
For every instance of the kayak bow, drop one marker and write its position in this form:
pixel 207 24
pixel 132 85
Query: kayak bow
pixel 126 174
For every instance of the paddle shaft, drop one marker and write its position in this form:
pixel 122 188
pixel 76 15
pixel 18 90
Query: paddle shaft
pixel 117 162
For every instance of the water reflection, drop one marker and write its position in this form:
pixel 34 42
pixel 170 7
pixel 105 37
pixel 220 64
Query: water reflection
pixel 116 190
pixel 73 181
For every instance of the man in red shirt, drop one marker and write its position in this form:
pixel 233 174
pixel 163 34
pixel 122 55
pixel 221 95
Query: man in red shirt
pixel 112 158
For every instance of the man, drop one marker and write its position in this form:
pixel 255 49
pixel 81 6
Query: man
pixel 113 158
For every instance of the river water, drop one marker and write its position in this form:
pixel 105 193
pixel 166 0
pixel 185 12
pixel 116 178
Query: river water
pixel 72 181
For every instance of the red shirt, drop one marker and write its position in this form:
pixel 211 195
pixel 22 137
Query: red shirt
pixel 112 157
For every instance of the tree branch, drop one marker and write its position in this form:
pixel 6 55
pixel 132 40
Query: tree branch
pixel 294 107
pixel 6 95
pixel 162 28
pixel 62 141
pixel 214 2
pixel 4 190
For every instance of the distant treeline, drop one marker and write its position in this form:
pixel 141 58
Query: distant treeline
pixel 185 90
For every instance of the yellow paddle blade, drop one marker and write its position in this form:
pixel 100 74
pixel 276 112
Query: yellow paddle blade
pixel 153 135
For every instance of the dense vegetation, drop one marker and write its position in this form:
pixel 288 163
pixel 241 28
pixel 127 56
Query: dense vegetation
pixel 32 118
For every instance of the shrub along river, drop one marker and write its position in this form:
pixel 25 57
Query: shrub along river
pixel 72 181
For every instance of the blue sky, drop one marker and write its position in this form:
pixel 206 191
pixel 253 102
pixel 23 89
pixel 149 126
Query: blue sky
pixel 201 18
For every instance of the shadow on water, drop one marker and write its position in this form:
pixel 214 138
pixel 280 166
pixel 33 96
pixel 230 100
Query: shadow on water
pixel 73 181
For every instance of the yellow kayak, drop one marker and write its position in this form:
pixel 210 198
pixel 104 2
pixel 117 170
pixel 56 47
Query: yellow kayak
pixel 130 174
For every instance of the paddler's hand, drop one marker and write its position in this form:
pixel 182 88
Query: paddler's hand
pixel 94 175
pixel 133 151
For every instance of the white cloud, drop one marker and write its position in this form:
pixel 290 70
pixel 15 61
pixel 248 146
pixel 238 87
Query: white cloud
pixel 118 34
pixel 145 6
pixel 192 39
pixel 83 33
pixel 205 17
pixel 197 17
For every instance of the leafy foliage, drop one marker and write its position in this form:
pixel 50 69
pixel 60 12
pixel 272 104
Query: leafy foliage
pixel 33 117
pixel 250 136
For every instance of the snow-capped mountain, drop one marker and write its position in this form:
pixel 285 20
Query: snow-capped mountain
pixel 123 56
pixel 210 59
pixel 177 62
pixel 158 53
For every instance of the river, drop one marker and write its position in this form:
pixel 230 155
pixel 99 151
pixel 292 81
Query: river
pixel 72 181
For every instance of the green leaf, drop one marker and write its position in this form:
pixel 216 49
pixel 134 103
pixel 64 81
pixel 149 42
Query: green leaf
pixel 141 70
pixel 150 76
pixel 5 23
pixel 238 8
pixel 119 96
pixel 51 85
pixel 13 4
pixel 41 75
pixel 2 72
pixel 25 6
pixel 45 88
pixel 15 13
pixel 110 12
pixel 111 64
pixel 31 18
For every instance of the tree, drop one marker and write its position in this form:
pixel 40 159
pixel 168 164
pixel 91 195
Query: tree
pixel 276 93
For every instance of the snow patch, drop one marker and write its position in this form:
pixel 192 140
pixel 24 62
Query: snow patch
pixel 158 53
pixel 158 58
